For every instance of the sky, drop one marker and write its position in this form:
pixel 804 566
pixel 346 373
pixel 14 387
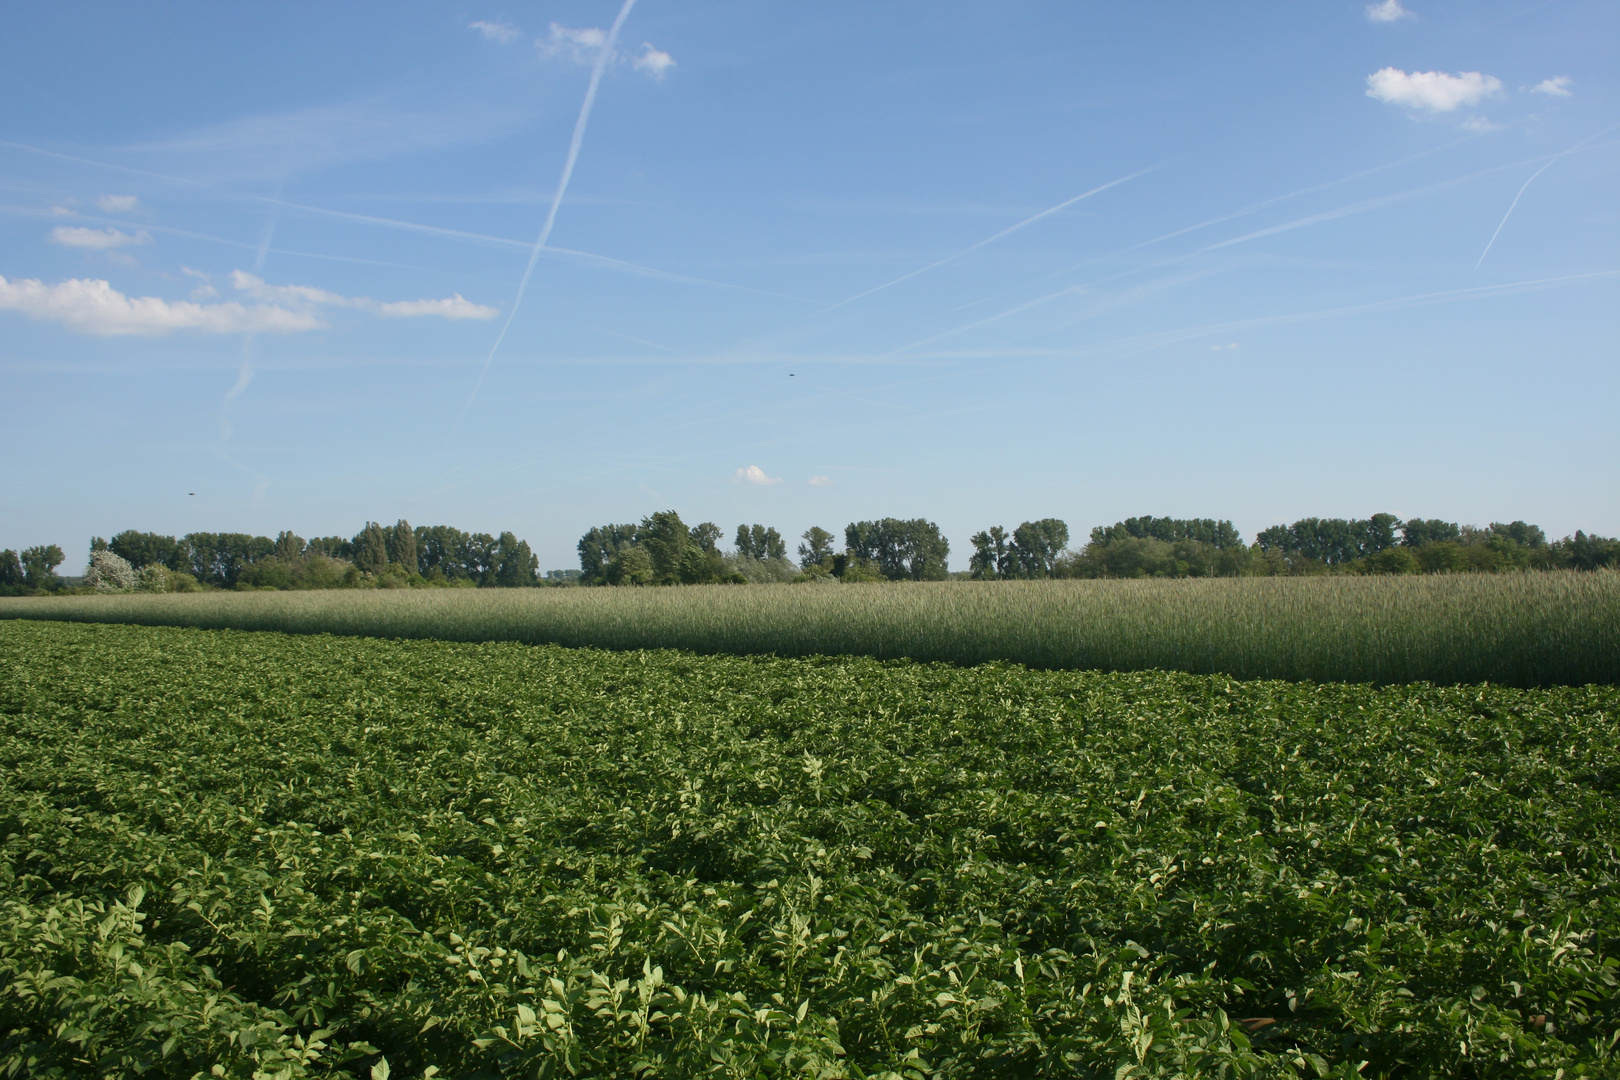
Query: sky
pixel 546 266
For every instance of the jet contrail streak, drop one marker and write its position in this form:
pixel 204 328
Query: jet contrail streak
pixel 369 219
pixel 556 200
pixel 1520 195
pixel 1298 223
pixel 1009 230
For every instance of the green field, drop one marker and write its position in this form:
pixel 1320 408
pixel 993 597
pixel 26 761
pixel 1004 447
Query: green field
pixel 248 854
pixel 1521 629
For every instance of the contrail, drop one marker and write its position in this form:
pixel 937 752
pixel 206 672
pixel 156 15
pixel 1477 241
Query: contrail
pixel 1520 195
pixel 1362 206
pixel 1009 230
pixel 556 200
pixel 368 219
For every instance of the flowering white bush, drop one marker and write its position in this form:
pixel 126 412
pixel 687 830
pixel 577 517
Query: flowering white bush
pixel 109 573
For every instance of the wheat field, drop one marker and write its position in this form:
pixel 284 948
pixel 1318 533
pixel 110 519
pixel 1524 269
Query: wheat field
pixel 1517 629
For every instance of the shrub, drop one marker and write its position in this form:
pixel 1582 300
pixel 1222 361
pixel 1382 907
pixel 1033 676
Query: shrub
pixel 108 572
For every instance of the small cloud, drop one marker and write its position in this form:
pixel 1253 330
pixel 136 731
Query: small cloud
pixel 298 296
pixel 286 294
pixel 1433 90
pixel 1479 123
pixel 203 291
pixel 821 481
pixel 1555 87
pixel 95 307
pixel 63 211
pixel 496 31
pixel 117 204
pixel 580 46
pixel 456 307
pixel 96 239
pixel 653 61
pixel 1224 348
pixel 1388 11
pixel 753 474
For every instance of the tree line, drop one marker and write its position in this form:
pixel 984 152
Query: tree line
pixel 663 550
pixel 1380 544
pixel 379 556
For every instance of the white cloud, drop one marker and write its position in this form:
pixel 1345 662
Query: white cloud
pixel 580 46
pixel 298 296
pixel 95 307
pixel 753 474
pixel 1479 123
pixel 653 61
pixel 1388 11
pixel 821 481
pixel 457 307
pixel 1224 348
pixel 1555 87
pixel 96 239
pixel 287 294
pixel 496 31
pixel 203 291
pixel 117 204
pixel 1434 90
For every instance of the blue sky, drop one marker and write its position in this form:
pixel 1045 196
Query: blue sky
pixel 813 263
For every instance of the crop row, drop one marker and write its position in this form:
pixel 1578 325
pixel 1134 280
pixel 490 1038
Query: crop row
pixel 1523 629
pixel 281 856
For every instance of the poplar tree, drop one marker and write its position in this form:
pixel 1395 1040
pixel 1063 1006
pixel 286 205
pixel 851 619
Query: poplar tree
pixel 402 546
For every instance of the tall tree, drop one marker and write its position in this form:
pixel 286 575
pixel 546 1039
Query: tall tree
pixel 817 546
pixel 1035 548
pixel 39 566
pixel 900 550
pixel 371 548
pixel 402 546
pixel 11 569
pixel 707 536
pixel 289 545
pixel 989 559
pixel 758 542
pixel 515 565
pixel 143 549
pixel 665 537
pixel 597 549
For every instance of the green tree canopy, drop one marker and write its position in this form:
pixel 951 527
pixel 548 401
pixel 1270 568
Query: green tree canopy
pixel 817 547
pixel 597 549
pixel 39 565
pixel 900 550
pixel 371 548
pixel 289 545
pixel 402 546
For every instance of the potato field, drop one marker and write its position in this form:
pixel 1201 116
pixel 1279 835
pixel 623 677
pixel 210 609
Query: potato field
pixel 242 854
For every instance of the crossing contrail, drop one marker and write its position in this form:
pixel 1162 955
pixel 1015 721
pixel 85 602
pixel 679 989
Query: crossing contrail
pixel 556 200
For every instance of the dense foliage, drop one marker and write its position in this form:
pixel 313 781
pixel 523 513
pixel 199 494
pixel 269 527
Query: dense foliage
pixel 662 550
pixel 394 555
pixel 1382 544
pixel 1531 629
pixel 234 852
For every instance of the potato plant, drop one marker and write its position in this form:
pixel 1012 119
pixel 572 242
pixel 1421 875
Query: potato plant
pixel 255 854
